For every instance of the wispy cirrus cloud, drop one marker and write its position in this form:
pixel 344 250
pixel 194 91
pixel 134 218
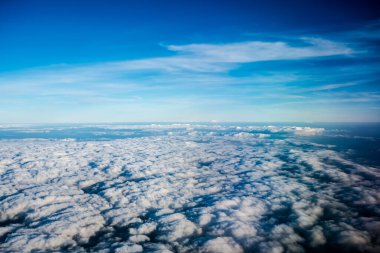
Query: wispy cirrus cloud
pixel 194 63
pixel 254 51
pixel 199 58
pixel 203 75
pixel 224 57
pixel 333 86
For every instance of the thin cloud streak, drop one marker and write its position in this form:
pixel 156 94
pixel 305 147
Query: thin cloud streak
pixel 193 58
pixel 198 76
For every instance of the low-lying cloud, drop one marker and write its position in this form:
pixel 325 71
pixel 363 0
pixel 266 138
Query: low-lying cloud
pixel 198 189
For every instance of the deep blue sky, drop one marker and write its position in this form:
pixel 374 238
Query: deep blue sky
pixel 103 61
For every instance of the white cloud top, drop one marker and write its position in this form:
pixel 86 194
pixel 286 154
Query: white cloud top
pixel 187 191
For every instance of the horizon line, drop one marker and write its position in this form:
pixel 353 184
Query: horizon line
pixel 184 122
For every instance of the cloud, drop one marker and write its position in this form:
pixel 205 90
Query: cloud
pixel 296 130
pixel 194 82
pixel 221 245
pixel 331 86
pixel 253 51
pixel 187 191
pixel 191 58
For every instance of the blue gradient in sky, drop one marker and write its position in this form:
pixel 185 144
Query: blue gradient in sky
pixel 125 61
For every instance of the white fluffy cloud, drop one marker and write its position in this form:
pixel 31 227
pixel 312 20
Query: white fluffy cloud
pixel 239 189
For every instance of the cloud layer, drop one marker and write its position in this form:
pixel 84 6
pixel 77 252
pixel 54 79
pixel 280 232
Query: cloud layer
pixel 196 188
pixel 251 80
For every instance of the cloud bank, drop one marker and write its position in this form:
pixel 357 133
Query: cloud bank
pixel 196 189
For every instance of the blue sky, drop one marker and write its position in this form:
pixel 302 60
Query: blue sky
pixel 128 61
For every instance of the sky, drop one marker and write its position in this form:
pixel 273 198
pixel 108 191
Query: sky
pixel 189 61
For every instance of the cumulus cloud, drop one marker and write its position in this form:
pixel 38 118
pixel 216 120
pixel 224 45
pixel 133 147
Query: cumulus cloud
pixel 240 189
pixel 222 245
